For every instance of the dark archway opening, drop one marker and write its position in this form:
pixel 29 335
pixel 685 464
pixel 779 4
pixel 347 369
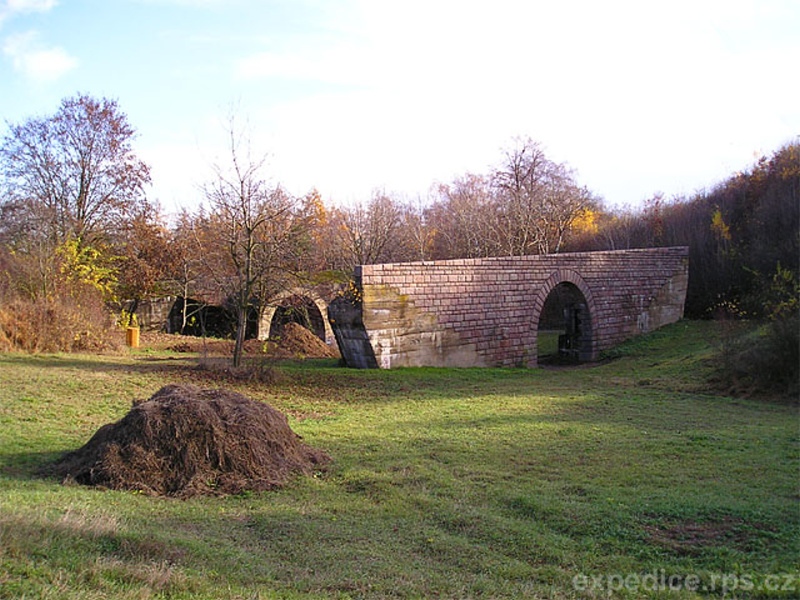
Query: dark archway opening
pixel 300 310
pixel 565 331
pixel 193 317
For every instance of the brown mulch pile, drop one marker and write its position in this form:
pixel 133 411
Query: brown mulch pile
pixel 186 441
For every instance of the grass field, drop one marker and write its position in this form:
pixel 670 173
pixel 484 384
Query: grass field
pixel 625 479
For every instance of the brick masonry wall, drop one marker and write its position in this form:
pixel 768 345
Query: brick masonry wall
pixel 485 312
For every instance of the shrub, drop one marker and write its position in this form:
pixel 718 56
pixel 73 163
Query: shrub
pixel 59 324
pixel 764 361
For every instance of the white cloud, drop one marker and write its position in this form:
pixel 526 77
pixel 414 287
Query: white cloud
pixel 35 61
pixel 191 3
pixel 638 97
pixel 31 5
pixel 15 7
pixel 267 64
pixel 177 171
pixel 319 60
pixel 28 55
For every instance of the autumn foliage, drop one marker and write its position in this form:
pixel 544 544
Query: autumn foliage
pixel 79 237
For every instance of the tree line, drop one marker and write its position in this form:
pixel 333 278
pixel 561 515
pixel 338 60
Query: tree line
pixel 78 230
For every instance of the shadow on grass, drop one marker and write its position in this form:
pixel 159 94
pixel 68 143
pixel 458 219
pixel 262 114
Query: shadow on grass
pixel 29 465
pixel 97 363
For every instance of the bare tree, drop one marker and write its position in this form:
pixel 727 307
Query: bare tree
pixel 68 178
pixel 368 234
pixel 537 201
pixel 460 220
pixel 527 205
pixel 417 234
pixel 250 236
pixel 73 174
pixel 184 273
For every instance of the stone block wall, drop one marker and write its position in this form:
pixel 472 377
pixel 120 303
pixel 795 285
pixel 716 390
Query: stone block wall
pixel 485 312
pixel 153 314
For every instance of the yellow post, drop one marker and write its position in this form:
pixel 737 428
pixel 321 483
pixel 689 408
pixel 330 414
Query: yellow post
pixel 132 337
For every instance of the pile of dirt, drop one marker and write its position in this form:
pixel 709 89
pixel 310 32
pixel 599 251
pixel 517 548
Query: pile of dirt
pixel 298 341
pixel 186 441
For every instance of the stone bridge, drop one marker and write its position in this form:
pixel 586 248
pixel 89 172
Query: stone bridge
pixel 491 311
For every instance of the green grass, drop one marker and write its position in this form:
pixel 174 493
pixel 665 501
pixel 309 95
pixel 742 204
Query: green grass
pixel 454 483
pixel 548 342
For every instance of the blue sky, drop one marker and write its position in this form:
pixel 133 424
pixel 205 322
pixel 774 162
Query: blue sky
pixel 350 96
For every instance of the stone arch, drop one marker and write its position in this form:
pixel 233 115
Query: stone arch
pixel 268 313
pixel 586 347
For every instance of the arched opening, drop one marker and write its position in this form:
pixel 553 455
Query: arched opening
pixel 189 316
pixel 300 310
pixel 565 330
